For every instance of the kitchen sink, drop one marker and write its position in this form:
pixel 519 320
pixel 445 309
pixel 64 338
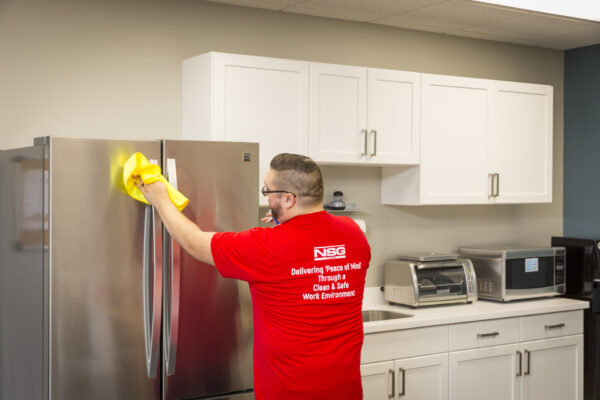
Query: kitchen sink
pixel 380 315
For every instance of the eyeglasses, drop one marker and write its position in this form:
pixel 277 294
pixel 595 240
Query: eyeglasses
pixel 265 192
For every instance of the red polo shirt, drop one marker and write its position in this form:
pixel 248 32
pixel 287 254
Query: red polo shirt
pixel 307 279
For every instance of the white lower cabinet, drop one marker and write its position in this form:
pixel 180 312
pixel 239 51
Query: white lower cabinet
pixel 486 373
pixel 549 369
pixel 553 369
pixel 416 378
pixel 378 380
pixel 535 357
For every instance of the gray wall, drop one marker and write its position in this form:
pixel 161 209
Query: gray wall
pixel 113 69
pixel 582 143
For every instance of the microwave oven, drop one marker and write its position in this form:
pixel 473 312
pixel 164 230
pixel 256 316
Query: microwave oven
pixel 514 272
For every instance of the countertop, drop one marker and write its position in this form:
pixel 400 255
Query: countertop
pixel 457 313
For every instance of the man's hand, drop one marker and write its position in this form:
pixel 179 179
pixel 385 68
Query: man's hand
pixel 268 218
pixel 183 230
pixel 154 192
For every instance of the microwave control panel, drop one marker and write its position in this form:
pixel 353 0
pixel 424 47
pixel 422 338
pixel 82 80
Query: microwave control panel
pixel 559 268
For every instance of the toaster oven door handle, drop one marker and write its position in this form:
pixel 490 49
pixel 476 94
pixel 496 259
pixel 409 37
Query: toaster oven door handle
pixel 489 334
pixel 433 265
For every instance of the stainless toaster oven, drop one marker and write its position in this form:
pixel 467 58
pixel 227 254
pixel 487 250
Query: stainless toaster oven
pixel 427 279
pixel 514 272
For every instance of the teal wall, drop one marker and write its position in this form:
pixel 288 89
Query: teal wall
pixel 582 143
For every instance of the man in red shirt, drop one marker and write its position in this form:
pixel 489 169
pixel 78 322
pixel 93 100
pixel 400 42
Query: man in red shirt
pixel 306 277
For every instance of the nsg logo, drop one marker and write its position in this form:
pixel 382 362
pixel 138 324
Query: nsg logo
pixel 330 252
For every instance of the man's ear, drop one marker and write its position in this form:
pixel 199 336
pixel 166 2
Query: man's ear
pixel 290 200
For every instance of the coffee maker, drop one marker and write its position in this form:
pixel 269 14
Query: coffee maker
pixel 582 269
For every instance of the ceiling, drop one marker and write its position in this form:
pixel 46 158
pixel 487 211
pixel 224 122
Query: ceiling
pixel 452 17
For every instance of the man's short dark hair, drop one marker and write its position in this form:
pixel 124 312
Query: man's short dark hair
pixel 300 175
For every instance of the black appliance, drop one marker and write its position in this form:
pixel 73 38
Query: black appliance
pixel 583 283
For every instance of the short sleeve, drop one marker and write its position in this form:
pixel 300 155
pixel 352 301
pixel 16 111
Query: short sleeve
pixel 240 255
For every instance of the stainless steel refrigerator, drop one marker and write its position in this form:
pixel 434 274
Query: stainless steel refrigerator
pixel 96 300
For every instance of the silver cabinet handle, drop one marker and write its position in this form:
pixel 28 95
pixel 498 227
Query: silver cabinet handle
pixel 393 375
pixel 403 372
pixel 494 189
pixel 152 290
pixel 490 334
pixel 528 356
pixel 497 185
pixel 520 355
pixel 364 132
pixel 374 133
pixel 555 326
pixel 172 288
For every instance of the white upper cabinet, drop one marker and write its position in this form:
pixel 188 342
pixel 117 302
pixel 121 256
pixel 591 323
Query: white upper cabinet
pixel 453 138
pixel 393 116
pixel 363 115
pixel 482 142
pixel 440 139
pixel 338 113
pixel 233 97
pixel 519 146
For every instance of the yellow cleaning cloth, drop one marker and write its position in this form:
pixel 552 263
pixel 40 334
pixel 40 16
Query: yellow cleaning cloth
pixel 138 165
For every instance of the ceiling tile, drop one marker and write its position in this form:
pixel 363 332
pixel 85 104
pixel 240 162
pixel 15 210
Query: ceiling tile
pixel 267 4
pixel 484 36
pixel 570 40
pixel 533 26
pixel 455 17
pixel 408 25
pixel 337 14
pixel 359 10
pixel 457 14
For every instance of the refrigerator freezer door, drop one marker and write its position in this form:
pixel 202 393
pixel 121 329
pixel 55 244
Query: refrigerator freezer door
pixel 208 319
pixel 23 304
pixel 97 328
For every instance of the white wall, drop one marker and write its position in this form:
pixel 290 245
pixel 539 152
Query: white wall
pixel 113 69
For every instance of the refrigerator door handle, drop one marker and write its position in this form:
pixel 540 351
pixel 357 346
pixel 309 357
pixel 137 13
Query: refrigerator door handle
pixel 152 281
pixel 172 289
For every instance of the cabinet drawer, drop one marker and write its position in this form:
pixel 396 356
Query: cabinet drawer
pixel 484 333
pixel 391 345
pixel 551 325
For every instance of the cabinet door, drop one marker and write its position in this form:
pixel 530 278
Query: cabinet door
pixel 265 100
pixel 338 113
pixel 520 142
pixel 488 373
pixel 422 378
pixel 454 120
pixel 553 369
pixel 378 380
pixel 393 111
